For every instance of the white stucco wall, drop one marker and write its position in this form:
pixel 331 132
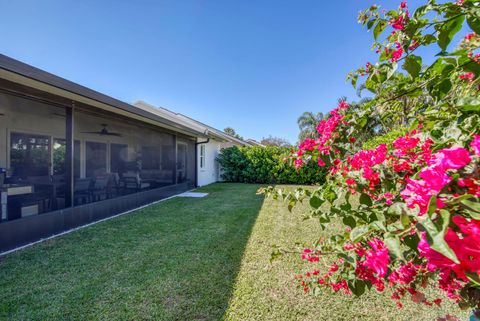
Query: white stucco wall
pixel 209 173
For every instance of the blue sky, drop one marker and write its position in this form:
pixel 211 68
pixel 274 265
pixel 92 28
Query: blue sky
pixel 251 65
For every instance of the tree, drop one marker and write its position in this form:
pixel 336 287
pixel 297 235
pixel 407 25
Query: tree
pixel 230 131
pixel 275 141
pixel 307 123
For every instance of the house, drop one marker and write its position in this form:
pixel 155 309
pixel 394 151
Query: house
pixel 70 155
pixel 253 142
pixel 207 169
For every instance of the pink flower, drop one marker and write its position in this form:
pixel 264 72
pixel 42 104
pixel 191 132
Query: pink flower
pixel 466 248
pixel 451 158
pixel 298 163
pixel 403 4
pixel 397 54
pixel 436 260
pixel 470 36
pixel 404 144
pixel 475 144
pixel 467 76
pixel 377 258
pixel 435 177
pixel 405 274
pixel 350 181
pixel 320 162
pixel 417 193
pixel 398 23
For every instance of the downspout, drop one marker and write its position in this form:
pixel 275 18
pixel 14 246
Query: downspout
pixel 196 156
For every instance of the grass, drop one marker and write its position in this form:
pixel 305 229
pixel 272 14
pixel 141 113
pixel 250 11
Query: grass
pixel 183 259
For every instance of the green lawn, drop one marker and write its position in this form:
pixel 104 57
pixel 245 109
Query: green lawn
pixel 182 259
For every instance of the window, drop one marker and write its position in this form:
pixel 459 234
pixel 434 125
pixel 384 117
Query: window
pixel 58 156
pixel 59 150
pixel 202 156
pixel 168 153
pixel 29 155
pixel 150 157
pixel 118 158
pixel 96 159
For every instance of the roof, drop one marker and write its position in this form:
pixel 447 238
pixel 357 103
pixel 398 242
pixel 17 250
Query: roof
pixel 190 122
pixel 253 142
pixel 11 69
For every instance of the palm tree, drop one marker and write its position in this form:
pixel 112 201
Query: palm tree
pixel 307 123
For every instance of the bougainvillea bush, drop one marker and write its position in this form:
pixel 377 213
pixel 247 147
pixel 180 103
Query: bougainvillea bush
pixel 410 208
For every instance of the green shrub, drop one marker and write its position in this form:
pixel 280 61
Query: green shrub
pixel 387 138
pixel 266 165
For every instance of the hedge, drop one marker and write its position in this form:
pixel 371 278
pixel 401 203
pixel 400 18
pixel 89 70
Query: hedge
pixel 266 165
pixel 387 138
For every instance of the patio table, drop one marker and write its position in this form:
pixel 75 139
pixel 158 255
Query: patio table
pixel 11 190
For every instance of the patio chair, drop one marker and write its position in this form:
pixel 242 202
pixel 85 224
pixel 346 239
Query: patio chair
pixel 100 186
pixel 115 185
pixel 82 191
pixel 134 183
pixel 58 182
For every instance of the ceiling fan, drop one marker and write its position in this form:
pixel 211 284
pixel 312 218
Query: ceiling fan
pixel 104 132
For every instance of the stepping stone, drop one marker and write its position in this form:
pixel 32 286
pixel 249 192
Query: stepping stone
pixel 192 194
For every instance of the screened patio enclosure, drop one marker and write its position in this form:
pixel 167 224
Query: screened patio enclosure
pixel 113 156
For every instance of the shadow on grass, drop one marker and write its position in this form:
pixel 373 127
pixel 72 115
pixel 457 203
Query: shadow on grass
pixel 177 260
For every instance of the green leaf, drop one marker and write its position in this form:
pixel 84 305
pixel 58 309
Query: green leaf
pixel 448 30
pixel 358 233
pixel 398 208
pixel 365 199
pixel 421 11
pixel 442 88
pixel 474 23
pixel 362 121
pixel 357 287
pixel 474 278
pixel 428 39
pixel 370 24
pixel 381 25
pixel 473 208
pixel 412 241
pixel 413 65
pixel 393 243
pixel 469 104
pixel 316 202
pixel 377 226
pixel 329 194
pixel 405 220
pixel 432 205
pixel 346 257
pixel 349 221
pixel 391 69
pixel 436 234
pixel 346 207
